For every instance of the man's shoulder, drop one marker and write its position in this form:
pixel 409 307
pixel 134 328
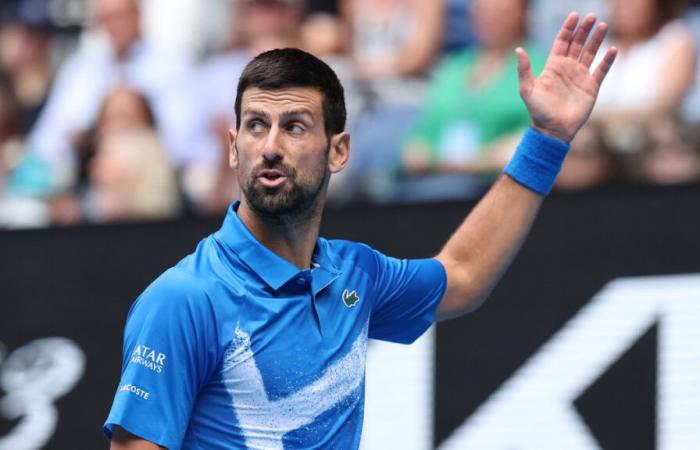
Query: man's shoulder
pixel 177 285
pixel 356 255
pixel 346 247
pixel 193 291
pixel 184 280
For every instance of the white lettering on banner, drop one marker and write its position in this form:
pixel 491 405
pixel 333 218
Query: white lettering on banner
pixel 34 376
pixel 534 408
pixel 148 358
pixel 399 395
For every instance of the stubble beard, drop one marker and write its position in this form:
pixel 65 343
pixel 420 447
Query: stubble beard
pixel 297 199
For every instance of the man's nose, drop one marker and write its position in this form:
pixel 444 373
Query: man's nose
pixel 272 149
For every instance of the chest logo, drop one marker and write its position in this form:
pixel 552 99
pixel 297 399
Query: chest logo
pixel 350 299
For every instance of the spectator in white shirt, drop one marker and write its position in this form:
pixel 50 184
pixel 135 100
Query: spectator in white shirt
pixel 122 57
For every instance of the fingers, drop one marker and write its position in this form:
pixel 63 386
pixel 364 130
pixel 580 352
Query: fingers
pixel 526 80
pixel 593 45
pixel 604 66
pixel 563 40
pixel 581 35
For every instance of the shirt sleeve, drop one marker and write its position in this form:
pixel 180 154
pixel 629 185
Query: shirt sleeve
pixel 408 292
pixel 168 355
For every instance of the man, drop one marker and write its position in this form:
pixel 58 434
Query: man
pixel 258 339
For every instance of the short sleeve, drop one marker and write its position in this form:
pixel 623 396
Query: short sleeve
pixel 168 355
pixel 408 292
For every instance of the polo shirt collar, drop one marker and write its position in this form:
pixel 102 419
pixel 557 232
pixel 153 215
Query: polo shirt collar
pixel 274 270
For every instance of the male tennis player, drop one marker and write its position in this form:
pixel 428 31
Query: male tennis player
pixel 258 339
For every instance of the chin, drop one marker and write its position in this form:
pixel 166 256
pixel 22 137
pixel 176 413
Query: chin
pixel 275 201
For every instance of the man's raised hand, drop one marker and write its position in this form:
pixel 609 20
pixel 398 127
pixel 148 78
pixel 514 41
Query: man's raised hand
pixel 562 97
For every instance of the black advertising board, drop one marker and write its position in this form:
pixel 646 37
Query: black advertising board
pixel 577 347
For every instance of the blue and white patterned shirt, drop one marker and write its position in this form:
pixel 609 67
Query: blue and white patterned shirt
pixel 236 348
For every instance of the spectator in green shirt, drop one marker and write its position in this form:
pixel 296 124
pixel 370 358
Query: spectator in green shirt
pixel 472 116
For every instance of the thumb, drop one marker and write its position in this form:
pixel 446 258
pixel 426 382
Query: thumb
pixel 525 78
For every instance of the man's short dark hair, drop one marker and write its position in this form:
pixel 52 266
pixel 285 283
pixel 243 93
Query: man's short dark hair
pixel 291 67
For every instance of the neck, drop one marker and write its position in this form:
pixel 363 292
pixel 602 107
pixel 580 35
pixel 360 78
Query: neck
pixel 122 51
pixel 292 236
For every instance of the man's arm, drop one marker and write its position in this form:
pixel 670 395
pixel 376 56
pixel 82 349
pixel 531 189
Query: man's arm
pixel 559 102
pixel 123 440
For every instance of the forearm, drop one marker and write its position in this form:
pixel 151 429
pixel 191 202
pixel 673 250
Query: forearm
pixel 123 440
pixel 559 101
pixel 483 246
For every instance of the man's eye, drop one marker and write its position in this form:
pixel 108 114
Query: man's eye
pixel 255 126
pixel 296 128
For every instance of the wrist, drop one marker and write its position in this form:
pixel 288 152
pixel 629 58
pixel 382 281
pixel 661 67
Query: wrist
pixel 537 161
pixel 556 134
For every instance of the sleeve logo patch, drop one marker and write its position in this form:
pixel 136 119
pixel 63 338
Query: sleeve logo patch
pixel 137 391
pixel 148 358
pixel 350 298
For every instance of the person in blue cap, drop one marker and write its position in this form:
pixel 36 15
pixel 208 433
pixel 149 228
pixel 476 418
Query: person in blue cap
pixel 258 339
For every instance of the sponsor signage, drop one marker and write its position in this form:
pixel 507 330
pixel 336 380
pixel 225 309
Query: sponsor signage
pixel 590 342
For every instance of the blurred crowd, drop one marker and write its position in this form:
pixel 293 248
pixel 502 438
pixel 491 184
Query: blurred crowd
pixel 117 110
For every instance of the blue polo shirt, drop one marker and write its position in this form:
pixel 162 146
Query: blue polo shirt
pixel 237 348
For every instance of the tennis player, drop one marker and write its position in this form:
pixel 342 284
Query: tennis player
pixel 258 339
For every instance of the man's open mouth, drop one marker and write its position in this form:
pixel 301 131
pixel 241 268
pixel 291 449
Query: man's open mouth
pixel 271 178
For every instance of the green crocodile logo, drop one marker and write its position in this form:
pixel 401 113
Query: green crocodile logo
pixel 350 298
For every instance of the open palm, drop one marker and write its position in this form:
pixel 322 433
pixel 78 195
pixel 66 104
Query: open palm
pixel 562 97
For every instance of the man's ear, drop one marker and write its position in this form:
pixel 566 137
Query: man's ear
pixel 339 152
pixel 232 151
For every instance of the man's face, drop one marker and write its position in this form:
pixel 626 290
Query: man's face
pixel 270 18
pixel 283 156
pixel 121 20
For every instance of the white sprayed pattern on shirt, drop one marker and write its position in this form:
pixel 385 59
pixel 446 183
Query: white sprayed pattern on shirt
pixel 263 421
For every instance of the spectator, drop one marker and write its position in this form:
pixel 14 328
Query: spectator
pixel 393 38
pixel 21 202
pixel 589 163
pixel 179 25
pixel 691 104
pixel 670 157
pixel 88 75
pixel 123 111
pixel 322 34
pixel 131 179
pixel 391 46
pixel 456 36
pixel 473 111
pixel 655 66
pixel 546 16
pixel 652 75
pixel 26 44
pixel 10 141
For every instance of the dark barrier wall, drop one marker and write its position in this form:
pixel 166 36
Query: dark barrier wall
pixel 80 282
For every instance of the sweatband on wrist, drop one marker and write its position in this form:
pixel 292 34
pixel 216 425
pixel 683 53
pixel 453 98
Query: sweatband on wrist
pixel 537 161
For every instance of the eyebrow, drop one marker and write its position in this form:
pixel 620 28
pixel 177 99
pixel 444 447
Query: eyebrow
pixel 297 112
pixel 302 111
pixel 254 112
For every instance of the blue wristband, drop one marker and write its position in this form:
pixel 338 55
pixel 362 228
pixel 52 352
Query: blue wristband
pixel 537 161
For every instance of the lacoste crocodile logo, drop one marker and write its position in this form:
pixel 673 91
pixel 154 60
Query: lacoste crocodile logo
pixel 350 298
